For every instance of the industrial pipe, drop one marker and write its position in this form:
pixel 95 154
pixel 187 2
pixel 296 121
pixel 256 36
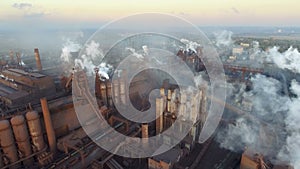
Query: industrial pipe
pixel 38 59
pixel 48 125
pixel 145 133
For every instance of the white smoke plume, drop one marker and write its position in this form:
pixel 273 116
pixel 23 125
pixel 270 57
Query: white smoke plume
pixel 146 50
pixel 94 51
pixel 223 38
pixel 190 44
pixel 290 59
pixel 271 127
pixel 290 152
pixel 104 69
pixel 200 81
pixel 68 47
pixel 134 53
pixel 86 61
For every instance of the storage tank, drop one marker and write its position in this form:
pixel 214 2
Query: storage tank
pixel 8 144
pixel 22 138
pixel 35 130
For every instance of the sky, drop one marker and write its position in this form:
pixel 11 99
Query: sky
pixel 29 14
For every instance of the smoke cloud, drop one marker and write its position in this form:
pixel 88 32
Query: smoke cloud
pixel 134 53
pixel 190 44
pixel 93 50
pixel 68 48
pixel 271 125
pixel 290 59
pixel 223 38
pixel 290 152
pixel 93 53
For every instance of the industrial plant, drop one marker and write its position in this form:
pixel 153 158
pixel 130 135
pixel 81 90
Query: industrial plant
pixel 39 127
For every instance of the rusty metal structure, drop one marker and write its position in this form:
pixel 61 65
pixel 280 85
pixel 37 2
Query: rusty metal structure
pixel 39 127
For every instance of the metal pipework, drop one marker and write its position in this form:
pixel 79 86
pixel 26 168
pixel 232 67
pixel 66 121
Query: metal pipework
pixel 35 130
pixel 48 125
pixel 22 138
pixel 38 59
pixel 7 142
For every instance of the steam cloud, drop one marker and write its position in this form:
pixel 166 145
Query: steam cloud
pixel 290 152
pixel 223 38
pixel 92 53
pixel 136 54
pixel 268 127
pixel 190 44
pixel 289 59
pixel 68 47
pixel 86 61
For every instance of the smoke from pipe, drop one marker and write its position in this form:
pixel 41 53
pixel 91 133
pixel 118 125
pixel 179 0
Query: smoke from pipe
pixel 93 53
pixel 270 128
pixel 223 38
pixel 290 151
pixel 290 59
pixel 68 47
pixel 190 45
pixel 134 53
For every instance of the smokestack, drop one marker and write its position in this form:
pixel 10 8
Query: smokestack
pixel 159 115
pixel 48 125
pixel 11 55
pixel 38 59
pixel 18 55
pixel 145 133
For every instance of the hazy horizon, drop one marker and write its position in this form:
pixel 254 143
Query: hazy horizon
pixel 33 15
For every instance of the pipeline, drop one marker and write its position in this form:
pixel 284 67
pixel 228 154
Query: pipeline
pixel 25 158
pixel 49 126
pixel 69 156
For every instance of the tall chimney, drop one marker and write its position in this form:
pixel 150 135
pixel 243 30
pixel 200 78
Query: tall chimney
pixel 18 55
pixel 48 125
pixel 11 55
pixel 38 59
pixel 145 133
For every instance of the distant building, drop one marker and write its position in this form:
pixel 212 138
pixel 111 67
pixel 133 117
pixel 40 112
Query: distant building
pixel 245 45
pixel 237 51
